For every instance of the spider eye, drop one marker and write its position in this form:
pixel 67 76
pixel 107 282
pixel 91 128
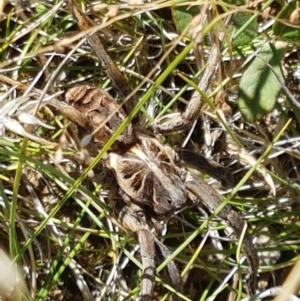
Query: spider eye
pixel 170 201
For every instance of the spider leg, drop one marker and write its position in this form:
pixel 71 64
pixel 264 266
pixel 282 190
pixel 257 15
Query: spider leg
pixel 177 121
pixel 70 112
pixel 132 219
pixel 212 200
pixel 146 241
pixel 204 165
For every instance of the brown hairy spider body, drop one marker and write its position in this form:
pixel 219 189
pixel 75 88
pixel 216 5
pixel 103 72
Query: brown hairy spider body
pixel 144 168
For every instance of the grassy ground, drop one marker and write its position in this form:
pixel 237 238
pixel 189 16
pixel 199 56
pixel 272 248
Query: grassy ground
pixel 55 223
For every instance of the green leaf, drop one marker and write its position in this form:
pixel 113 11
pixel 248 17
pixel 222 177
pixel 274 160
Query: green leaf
pixel 41 9
pixel 183 15
pixel 248 34
pixel 259 87
pixel 285 32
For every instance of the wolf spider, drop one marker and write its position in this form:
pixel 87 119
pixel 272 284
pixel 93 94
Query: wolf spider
pixel 153 178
